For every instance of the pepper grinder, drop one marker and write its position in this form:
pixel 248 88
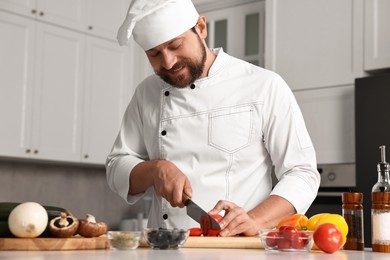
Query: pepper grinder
pixel 380 207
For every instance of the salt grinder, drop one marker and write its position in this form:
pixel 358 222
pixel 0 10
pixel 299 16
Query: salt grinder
pixel 380 207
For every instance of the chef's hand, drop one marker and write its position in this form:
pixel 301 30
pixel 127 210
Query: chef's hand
pixel 171 183
pixel 235 221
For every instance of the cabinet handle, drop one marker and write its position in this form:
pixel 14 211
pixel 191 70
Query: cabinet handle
pixel 33 11
pixel 28 150
pixel 90 27
pixel 41 13
pixel 36 151
pixel 86 156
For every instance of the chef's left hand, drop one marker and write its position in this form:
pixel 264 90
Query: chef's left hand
pixel 236 220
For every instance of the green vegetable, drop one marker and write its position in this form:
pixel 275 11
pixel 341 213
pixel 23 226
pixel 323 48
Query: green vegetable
pixel 7 207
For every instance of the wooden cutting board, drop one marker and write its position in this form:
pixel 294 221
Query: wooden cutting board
pixel 73 243
pixel 220 242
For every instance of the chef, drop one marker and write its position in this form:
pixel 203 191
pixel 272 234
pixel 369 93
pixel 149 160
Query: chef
pixel 210 126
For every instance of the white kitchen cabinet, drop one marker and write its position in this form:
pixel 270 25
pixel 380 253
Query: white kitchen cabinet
pixel 97 17
pixel 41 69
pixel 107 93
pixel 69 13
pixel 104 17
pixel 17 46
pixel 376 34
pixel 330 119
pixel 315 44
pixel 238 29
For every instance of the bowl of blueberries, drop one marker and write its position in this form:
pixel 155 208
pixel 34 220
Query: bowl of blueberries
pixel 162 238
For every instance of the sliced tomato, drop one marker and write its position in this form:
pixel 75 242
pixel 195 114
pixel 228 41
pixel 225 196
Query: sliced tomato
pixel 217 217
pixel 196 232
pixel 205 224
pixel 213 232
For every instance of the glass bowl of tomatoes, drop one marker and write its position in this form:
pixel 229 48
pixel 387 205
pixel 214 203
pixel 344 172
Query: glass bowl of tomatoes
pixel 287 238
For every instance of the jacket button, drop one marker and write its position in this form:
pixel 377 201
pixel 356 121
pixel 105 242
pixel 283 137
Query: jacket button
pixel 192 86
pixel 166 93
pixel 165 216
pixel 163 132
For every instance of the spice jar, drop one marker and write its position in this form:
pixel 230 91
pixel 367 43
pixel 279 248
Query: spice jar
pixel 380 218
pixel 353 214
pixel 380 207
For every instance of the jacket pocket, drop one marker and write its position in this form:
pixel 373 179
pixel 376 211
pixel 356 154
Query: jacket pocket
pixel 231 129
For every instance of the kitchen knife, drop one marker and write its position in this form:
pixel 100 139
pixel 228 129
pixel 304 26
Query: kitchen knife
pixel 196 213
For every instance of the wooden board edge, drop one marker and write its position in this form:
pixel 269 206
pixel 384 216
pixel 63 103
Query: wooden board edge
pixel 54 244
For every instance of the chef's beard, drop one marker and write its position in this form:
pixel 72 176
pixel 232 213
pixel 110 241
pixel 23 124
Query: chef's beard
pixel 194 66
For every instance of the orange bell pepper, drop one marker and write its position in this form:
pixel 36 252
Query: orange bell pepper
pixel 299 221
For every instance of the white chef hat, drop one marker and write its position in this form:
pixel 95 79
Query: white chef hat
pixel 153 22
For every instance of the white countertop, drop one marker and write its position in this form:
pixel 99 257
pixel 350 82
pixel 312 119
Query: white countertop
pixel 189 254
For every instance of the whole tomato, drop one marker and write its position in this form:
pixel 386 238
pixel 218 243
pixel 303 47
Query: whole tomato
pixel 328 237
pixel 272 238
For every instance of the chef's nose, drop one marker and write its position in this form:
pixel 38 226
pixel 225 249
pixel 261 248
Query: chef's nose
pixel 168 60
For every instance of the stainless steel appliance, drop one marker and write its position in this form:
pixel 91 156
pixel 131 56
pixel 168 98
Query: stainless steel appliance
pixel 335 179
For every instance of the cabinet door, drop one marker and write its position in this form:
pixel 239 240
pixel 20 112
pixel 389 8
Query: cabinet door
pixel 104 17
pixel 239 30
pixel 377 34
pixel 58 94
pixel 107 80
pixel 330 119
pixel 315 43
pixel 16 61
pixel 23 7
pixel 69 13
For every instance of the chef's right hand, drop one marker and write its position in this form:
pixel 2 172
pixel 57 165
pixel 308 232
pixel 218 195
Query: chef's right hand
pixel 171 183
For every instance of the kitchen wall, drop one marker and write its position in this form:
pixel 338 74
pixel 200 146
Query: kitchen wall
pixel 80 189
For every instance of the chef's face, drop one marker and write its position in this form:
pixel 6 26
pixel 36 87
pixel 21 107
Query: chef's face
pixel 181 61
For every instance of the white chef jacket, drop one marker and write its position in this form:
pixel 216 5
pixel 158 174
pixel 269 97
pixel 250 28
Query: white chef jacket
pixel 224 132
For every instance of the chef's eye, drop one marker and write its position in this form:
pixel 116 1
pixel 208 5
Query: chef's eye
pixel 153 53
pixel 175 46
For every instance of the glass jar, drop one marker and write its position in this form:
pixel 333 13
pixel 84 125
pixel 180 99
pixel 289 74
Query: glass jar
pixel 380 219
pixel 353 214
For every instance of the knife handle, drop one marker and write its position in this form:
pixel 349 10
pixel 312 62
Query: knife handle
pixel 185 199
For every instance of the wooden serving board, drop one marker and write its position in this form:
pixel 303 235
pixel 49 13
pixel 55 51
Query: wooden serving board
pixel 220 242
pixel 44 243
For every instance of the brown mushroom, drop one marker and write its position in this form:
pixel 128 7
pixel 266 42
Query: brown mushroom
pixel 64 225
pixel 89 228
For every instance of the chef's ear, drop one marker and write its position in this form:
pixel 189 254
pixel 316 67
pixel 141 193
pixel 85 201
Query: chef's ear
pixel 201 27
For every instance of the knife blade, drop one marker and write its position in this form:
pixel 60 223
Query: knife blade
pixel 196 212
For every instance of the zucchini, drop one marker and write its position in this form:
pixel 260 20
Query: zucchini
pixel 4 230
pixel 7 207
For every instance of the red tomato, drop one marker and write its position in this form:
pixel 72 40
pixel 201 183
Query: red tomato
pixel 290 233
pixel 298 242
pixel 217 217
pixel 213 232
pixel 205 224
pixel 271 239
pixel 283 243
pixel 328 237
pixel 195 232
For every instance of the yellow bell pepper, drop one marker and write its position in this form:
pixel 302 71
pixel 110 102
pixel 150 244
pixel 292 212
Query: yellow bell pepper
pixel 335 219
